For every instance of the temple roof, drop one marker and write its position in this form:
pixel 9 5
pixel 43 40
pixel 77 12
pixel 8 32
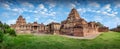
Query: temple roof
pixel 54 23
pixel 74 17
pixel 20 20
pixel 74 14
pixel 20 16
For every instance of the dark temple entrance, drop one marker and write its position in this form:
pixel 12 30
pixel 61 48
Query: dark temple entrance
pixel 35 27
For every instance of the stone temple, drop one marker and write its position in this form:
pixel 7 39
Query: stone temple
pixel 22 27
pixel 74 25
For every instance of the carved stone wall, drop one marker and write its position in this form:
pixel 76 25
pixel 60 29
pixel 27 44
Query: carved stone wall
pixel 22 27
pixel 76 26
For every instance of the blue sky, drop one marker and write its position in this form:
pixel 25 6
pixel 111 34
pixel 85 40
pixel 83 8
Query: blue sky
pixel 45 11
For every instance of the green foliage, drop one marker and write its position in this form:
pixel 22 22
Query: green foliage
pixel 1 25
pixel 107 40
pixel 11 32
pixel 99 24
pixel 118 26
pixel 1 36
pixel 0 22
pixel 4 28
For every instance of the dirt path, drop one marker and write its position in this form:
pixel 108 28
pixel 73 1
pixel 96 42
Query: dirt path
pixel 87 37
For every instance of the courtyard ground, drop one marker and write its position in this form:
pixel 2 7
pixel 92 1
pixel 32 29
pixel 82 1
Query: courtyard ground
pixel 106 40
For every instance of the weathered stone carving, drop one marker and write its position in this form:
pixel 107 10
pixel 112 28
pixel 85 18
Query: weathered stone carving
pixel 74 25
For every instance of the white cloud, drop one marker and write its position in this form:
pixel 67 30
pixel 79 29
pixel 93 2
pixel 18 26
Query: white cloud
pixel 95 4
pixel 36 19
pixel 72 5
pixel 35 11
pixel 117 4
pixel 11 21
pixel 15 9
pixel 77 3
pixel 6 6
pixel 25 7
pixel 98 18
pixel 109 14
pixel 107 7
pixel 51 14
pixel 44 11
pixel 27 4
pixel 82 10
pixel 51 5
pixel 98 11
pixel 40 10
pixel 28 17
pixel 49 21
pixel 46 14
pixel 41 6
pixel 115 22
pixel 6 15
pixel 103 11
pixel 117 19
pixel 66 13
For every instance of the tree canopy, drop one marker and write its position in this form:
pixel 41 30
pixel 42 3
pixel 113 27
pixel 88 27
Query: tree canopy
pixel 99 24
pixel 5 29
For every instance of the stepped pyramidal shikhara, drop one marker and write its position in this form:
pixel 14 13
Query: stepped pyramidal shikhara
pixel 77 26
pixel 74 25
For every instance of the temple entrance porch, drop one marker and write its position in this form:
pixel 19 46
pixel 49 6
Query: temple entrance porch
pixel 35 29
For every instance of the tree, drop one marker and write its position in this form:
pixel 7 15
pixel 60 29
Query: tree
pixel 4 28
pixel 0 22
pixel 1 32
pixel 1 25
pixel 118 26
pixel 99 24
pixel 1 36
pixel 11 32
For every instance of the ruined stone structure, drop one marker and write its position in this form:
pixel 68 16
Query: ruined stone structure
pixel 54 28
pixel 22 27
pixel 117 29
pixel 74 25
pixel 103 29
pixel 77 26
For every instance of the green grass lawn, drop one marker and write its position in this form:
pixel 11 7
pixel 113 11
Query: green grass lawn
pixel 107 40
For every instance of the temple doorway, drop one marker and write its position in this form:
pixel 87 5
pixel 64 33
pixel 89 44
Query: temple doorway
pixel 35 27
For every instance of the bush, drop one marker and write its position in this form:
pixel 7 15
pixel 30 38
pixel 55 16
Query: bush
pixel 1 36
pixel 11 32
pixel 6 26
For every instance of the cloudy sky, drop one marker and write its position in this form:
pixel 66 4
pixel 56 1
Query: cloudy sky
pixel 45 11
